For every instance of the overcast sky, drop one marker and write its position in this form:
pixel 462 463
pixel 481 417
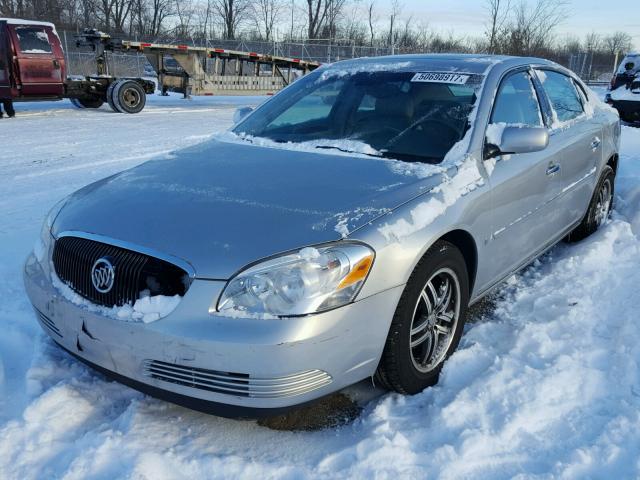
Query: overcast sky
pixel 469 16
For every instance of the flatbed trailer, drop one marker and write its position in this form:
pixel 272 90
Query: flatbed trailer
pixel 33 67
pixel 219 71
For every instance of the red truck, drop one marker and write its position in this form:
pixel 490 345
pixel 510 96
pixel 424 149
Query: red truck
pixel 32 67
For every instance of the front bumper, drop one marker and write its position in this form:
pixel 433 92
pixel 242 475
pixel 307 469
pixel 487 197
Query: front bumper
pixel 227 366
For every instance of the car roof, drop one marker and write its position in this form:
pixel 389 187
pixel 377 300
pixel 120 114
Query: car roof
pixel 469 63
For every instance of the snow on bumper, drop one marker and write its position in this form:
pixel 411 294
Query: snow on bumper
pixel 246 363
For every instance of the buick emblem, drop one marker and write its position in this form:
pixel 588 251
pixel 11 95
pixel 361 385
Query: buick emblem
pixel 103 275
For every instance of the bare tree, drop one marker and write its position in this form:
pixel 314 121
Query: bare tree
pixel 372 19
pixel 266 14
pixel 618 42
pixel 396 9
pixel 498 15
pixel 532 27
pixel 593 42
pixel 317 11
pixel 232 13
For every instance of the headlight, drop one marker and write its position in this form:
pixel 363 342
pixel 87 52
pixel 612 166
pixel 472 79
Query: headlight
pixel 41 248
pixel 308 281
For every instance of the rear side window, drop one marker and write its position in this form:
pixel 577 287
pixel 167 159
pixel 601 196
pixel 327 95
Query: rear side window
pixel 562 94
pixel 516 102
pixel 33 40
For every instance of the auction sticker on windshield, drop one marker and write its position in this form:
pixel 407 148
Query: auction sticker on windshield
pixel 440 77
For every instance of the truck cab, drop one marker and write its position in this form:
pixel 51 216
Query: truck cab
pixel 32 65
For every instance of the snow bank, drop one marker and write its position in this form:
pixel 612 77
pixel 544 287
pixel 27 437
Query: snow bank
pixel 545 384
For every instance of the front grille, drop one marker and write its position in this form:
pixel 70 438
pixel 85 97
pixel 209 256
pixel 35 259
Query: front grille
pixel 239 384
pixel 47 322
pixel 74 257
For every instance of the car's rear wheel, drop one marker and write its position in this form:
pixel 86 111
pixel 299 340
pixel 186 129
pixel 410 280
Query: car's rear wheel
pixel 599 207
pixel 428 322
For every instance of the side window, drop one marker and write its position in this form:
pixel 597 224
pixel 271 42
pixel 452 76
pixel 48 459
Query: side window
pixel 517 102
pixel 562 94
pixel 315 106
pixel 33 40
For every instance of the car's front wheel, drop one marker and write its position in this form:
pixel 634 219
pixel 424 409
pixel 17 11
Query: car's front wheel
pixel 428 322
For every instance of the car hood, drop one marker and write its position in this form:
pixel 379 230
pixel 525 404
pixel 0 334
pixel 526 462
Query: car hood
pixel 220 206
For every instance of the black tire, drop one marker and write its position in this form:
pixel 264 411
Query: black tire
pixel 91 102
pixel 399 367
pixel 129 96
pixel 598 211
pixel 109 95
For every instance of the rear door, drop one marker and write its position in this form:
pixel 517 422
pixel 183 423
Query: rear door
pixel 579 136
pixel 40 68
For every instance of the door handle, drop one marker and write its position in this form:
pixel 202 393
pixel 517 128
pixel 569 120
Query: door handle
pixel 56 64
pixel 552 169
pixel 595 143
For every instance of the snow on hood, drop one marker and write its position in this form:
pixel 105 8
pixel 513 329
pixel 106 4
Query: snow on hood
pixel 623 93
pixel 220 206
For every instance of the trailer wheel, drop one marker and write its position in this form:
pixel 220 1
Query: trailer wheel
pixel 129 96
pixel 110 101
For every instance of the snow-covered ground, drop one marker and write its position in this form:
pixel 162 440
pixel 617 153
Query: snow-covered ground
pixel 546 384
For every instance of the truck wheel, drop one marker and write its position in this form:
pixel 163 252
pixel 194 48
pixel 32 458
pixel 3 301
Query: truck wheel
pixel 109 95
pixel 90 103
pixel 129 96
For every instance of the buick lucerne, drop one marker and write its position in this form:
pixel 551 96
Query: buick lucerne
pixel 337 232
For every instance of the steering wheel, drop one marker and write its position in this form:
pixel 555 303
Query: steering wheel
pixel 438 122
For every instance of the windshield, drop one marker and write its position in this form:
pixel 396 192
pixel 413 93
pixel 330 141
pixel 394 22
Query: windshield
pixel 413 116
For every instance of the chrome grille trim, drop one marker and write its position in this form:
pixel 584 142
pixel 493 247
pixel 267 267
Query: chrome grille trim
pixel 73 259
pixel 238 384
pixel 47 322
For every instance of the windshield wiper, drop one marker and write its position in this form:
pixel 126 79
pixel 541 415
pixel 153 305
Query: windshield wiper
pixel 345 150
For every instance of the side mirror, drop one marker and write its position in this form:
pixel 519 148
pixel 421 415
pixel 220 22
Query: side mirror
pixel 241 113
pixel 514 140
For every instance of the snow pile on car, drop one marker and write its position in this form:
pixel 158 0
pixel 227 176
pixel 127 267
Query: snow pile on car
pixel 146 309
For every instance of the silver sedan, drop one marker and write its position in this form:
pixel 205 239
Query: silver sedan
pixel 338 232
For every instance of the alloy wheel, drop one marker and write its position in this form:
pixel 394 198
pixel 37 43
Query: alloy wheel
pixel 434 321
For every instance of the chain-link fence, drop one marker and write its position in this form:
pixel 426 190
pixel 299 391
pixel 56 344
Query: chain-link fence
pixel 591 67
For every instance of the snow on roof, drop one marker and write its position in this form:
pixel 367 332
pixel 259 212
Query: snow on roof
pixel 474 64
pixel 19 21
